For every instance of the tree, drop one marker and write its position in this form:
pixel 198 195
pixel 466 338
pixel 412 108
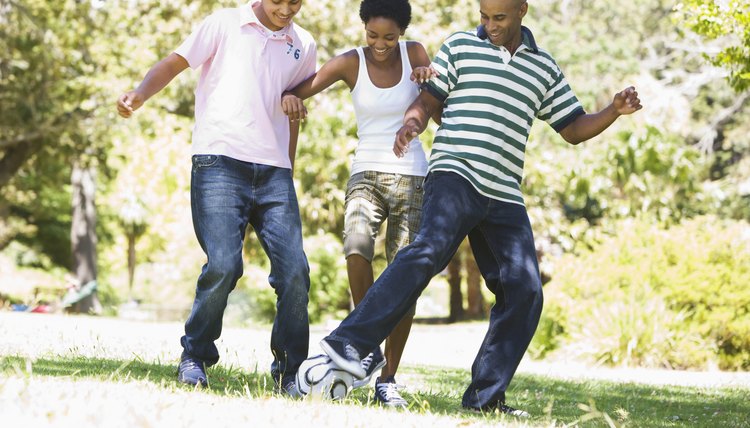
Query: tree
pixel 83 240
pixel 726 21
pixel 463 264
pixel 132 218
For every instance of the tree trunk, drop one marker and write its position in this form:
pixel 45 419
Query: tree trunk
pixel 456 309
pixel 14 158
pixel 83 236
pixel 475 309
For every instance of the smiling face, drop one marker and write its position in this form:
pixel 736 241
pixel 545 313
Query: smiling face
pixel 277 14
pixel 382 37
pixel 502 20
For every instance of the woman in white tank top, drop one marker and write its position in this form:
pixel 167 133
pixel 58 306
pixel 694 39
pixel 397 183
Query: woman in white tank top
pixel 382 185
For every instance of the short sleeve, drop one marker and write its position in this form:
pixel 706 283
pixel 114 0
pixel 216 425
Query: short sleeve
pixel 202 43
pixel 308 66
pixel 560 106
pixel 442 84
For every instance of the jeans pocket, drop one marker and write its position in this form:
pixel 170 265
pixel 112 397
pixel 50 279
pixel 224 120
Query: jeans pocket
pixel 204 161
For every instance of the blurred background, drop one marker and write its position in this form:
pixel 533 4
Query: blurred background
pixel 643 233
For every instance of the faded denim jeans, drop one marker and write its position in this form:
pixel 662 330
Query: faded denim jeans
pixel 226 195
pixel 503 245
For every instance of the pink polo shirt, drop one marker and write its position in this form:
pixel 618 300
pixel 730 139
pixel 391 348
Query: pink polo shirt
pixel 246 67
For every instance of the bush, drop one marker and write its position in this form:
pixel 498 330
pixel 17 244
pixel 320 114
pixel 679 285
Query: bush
pixel 650 296
pixel 329 285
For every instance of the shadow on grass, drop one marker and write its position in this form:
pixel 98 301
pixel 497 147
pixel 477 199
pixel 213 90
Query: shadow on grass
pixel 592 403
pixel 223 380
pixel 550 401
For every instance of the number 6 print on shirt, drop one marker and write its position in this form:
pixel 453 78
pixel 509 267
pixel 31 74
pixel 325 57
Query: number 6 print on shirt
pixel 296 51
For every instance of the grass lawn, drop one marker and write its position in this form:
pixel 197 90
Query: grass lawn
pixel 52 390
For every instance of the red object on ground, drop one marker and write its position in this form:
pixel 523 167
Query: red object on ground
pixel 42 309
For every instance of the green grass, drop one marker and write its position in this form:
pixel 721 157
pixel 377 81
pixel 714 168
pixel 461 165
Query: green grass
pixel 438 391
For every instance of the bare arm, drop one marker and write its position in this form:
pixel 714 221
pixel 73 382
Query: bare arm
pixel 415 121
pixel 420 63
pixel 342 67
pixel 155 80
pixel 591 125
pixel 293 135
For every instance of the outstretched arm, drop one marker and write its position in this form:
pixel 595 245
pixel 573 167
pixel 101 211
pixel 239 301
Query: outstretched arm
pixel 338 68
pixel 415 121
pixel 591 125
pixel 155 80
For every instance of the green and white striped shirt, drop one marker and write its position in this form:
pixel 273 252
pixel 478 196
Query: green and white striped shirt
pixel 490 101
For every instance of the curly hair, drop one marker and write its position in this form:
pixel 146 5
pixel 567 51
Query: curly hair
pixel 397 10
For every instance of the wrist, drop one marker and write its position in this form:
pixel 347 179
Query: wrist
pixel 414 123
pixel 613 111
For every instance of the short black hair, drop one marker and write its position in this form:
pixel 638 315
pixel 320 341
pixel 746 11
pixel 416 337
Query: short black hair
pixel 397 10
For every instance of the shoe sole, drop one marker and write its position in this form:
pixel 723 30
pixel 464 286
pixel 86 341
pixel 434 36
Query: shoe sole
pixel 353 368
pixel 366 380
pixel 392 405
pixel 200 384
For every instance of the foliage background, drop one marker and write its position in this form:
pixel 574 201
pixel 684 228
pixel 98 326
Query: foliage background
pixel 632 226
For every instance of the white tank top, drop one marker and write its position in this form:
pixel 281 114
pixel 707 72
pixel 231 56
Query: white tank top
pixel 380 114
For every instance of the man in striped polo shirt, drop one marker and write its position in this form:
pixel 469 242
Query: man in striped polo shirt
pixel 491 84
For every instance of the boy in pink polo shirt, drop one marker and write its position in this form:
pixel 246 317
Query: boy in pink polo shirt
pixel 243 153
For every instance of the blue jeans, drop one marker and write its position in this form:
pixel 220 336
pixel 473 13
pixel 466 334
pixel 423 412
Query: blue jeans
pixel 503 245
pixel 226 195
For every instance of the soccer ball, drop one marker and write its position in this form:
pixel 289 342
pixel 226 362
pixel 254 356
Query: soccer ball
pixel 318 376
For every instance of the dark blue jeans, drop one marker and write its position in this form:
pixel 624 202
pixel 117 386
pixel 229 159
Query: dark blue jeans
pixel 226 195
pixel 503 245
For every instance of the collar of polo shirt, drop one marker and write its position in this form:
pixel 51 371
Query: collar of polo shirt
pixel 247 17
pixel 527 40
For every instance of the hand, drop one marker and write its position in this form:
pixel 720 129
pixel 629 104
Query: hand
pixel 293 107
pixel 403 137
pixel 626 101
pixel 423 74
pixel 128 103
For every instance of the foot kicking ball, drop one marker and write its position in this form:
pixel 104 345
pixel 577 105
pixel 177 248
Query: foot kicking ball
pixel 319 377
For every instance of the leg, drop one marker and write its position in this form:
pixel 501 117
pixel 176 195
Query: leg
pixel 359 271
pixel 364 213
pixel 451 208
pixel 503 246
pixel 405 203
pixel 219 203
pixel 277 223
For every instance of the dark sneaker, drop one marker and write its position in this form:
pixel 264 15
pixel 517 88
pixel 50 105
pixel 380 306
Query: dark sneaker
pixel 386 393
pixel 192 371
pixel 344 356
pixel 373 362
pixel 502 408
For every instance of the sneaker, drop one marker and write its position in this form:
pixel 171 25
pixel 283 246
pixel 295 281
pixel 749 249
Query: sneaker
pixel 344 356
pixel 502 408
pixel 386 393
pixel 192 371
pixel 289 387
pixel 373 362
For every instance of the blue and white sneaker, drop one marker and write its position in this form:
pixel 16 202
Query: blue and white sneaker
pixel 192 371
pixel 373 362
pixel 386 393
pixel 288 387
pixel 344 356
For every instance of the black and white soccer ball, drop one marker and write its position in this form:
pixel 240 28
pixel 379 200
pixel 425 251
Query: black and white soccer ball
pixel 318 376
